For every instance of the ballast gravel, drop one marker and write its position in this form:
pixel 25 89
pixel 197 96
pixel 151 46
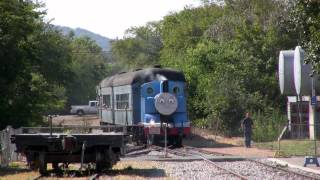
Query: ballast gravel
pixel 194 170
pixel 257 171
pixel 136 168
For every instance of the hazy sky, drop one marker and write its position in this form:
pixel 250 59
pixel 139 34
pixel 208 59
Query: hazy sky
pixel 111 18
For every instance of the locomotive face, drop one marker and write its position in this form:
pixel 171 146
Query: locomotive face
pixel 166 103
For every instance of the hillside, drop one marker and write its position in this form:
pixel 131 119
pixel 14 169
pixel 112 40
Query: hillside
pixel 102 41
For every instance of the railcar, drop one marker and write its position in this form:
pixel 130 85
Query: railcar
pixel 103 149
pixel 148 98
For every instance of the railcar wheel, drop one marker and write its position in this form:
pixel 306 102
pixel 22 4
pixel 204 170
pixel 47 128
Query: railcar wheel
pixel 178 141
pixel 42 163
pixel 101 160
pixel 34 165
pixel 55 166
pixel 150 140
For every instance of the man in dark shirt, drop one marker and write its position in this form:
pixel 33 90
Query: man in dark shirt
pixel 246 125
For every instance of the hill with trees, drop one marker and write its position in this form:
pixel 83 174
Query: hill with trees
pixel 102 41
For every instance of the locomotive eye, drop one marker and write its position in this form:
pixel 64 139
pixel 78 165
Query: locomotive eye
pixel 171 101
pixel 161 101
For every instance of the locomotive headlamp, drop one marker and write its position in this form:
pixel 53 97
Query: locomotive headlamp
pixel 166 103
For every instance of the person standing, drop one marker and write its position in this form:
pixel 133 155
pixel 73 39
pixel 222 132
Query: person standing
pixel 247 125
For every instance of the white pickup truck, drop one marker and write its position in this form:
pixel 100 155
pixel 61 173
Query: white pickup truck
pixel 85 109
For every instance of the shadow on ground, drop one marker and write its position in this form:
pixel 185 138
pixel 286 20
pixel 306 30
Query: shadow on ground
pixel 129 171
pixel 198 141
pixel 12 170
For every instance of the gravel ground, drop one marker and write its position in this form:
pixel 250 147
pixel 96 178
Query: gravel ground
pixel 166 170
pixel 254 170
pixel 135 168
pixel 291 169
pixel 194 170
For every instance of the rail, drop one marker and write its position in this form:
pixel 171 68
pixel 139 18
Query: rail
pixel 265 164
pixel 210 162
pixel 283 169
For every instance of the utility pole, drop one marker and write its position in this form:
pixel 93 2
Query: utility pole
pixel 314 109
pixel 312 124
pixel 165 140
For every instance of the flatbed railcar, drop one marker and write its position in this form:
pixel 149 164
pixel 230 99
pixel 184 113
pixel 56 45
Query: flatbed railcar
pixel 103 149
pixel 144 100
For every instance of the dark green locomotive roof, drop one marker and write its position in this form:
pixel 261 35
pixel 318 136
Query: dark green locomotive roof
pixel 142 76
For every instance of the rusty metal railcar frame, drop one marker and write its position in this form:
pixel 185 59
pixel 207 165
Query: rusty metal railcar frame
pixel 104 149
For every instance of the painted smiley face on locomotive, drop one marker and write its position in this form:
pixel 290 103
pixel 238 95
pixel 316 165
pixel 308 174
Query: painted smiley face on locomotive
pixel 164 101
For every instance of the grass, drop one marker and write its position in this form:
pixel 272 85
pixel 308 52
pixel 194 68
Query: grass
pixel 303 147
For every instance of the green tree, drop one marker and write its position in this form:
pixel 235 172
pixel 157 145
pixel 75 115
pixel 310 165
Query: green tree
pixel 229 54
pixel 34 67
pixel 89 68
pixel 305 19
pixel 140 47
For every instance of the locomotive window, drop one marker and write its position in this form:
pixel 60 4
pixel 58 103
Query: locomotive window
pixel 149 90
pixel 122 101
pixel 107 101
pixel 176 90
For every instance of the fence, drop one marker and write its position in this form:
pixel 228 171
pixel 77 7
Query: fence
pixel 7 153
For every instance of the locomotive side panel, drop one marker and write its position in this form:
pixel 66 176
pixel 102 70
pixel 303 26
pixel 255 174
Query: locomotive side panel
pixel 148 110
pixel 180 117
pixel 136 104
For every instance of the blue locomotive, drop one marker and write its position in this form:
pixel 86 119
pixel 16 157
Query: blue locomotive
pixel 146 98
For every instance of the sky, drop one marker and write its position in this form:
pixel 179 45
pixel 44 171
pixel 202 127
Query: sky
pixel 111 18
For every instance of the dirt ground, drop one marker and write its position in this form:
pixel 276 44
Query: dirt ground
pixel 86 120
pixel 208 141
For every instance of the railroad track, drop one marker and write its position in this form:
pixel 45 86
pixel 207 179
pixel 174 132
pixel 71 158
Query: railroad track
pixel 95 176
pixel 194 154
pixel 37 177
pixel 284 169
pixel 227 168
pixel 278 168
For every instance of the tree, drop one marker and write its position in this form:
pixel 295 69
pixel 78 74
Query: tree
pixel 228 54
pixel 305 19
pixel 140 47
pixel 89 68
pixel 34 65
